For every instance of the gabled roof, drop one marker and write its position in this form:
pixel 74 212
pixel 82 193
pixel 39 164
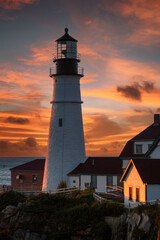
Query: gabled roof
pixel 128 151
pixel 37 164
pixel 99 165
pixel 151 133
pixel 148 170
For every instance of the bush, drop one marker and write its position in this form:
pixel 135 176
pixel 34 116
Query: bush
pixel 62 184
pixel 11 198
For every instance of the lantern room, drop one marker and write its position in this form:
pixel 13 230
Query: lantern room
pixel 66 46
pixel 66 59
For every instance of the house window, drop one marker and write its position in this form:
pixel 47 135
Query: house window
pixel 137 195
pixel 138 148
pixel 110 180
pixel 34 179
pixel 60 122
pixel 94 181
pixel 130 193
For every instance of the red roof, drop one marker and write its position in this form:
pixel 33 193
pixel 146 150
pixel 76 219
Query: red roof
pixel 99 165
pixel 150 133
pixel 37 164
pixel 128 151
pixel 148 170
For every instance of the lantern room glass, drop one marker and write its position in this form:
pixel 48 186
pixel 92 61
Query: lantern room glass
pixel 66 49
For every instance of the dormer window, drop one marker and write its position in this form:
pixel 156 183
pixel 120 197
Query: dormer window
pixel 138 148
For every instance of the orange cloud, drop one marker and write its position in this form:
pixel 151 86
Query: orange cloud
pixel 40 56
pixel 89 77
pixel 15 4
pixel 147 13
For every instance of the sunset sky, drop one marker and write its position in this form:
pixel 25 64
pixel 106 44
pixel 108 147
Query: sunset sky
pixel 119 43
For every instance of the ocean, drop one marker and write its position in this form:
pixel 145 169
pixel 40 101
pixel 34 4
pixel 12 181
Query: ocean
pixel 9 162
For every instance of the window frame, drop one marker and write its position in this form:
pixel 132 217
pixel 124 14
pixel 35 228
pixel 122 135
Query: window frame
pixel 130 193
pixel 137 146
pixel 34 181
pixel 138 198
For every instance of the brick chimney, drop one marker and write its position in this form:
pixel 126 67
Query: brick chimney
pixel 156 119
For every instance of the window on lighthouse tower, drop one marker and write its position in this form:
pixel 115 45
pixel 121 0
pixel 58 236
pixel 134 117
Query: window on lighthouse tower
pixel 60 122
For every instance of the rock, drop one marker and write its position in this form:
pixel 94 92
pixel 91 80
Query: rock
pixel 35 236
pixel 18 234
pixel 44 237
pixel 20 205
pixel 145 224
pixel 9 211
pixel 27 235
pixel 112 221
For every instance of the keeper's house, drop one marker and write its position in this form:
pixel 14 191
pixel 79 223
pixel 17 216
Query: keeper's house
pixel 101 173
pixel 141 181
pixel 144 145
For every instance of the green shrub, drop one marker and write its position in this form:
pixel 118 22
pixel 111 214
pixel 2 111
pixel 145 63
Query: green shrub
pixel 10 198
pixel 62 184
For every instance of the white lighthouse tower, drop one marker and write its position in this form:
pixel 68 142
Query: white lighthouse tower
pixel 66 139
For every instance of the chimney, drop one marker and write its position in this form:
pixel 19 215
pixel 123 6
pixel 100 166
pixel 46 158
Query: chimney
pixel 156 119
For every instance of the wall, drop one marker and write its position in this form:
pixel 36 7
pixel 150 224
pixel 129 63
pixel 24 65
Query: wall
pixel 133 179
pixel 71 180
pixel 125 163
pixel 85 179
pixel 153 192
pixel 27 184
pixel 144 147
pixel 156 152
pixel 101 184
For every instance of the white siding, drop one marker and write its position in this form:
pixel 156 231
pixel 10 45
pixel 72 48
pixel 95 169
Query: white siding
pixel 66 144
pixel 114 180
pixel 73 181
pixel 133 180
pixel 156 152
pixel 125 163
pixel 153 192
pixel 101 184
pixel 144 146
pixel 85 179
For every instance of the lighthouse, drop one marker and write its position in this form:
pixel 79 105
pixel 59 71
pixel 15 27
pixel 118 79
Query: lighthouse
pixel 66 147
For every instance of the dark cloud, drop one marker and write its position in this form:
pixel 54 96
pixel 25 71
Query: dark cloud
pixel 143 110
pixel 148 86
pixel 31 142
pixel 8 85
pixel 17 120
pixel 130 91
pixel 134 91
pixel 27 147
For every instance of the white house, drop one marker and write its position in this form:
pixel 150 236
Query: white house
pixel 145 144
pixel 141 181
pixel 97 172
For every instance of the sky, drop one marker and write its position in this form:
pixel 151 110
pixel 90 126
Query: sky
pixel 119 43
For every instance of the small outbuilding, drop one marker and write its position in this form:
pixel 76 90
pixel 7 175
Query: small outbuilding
pixel 141 181
pixel 28 177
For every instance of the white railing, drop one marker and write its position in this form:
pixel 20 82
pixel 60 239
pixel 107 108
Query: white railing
pixel 64 190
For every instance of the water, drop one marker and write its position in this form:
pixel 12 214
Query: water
pixel 9 162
